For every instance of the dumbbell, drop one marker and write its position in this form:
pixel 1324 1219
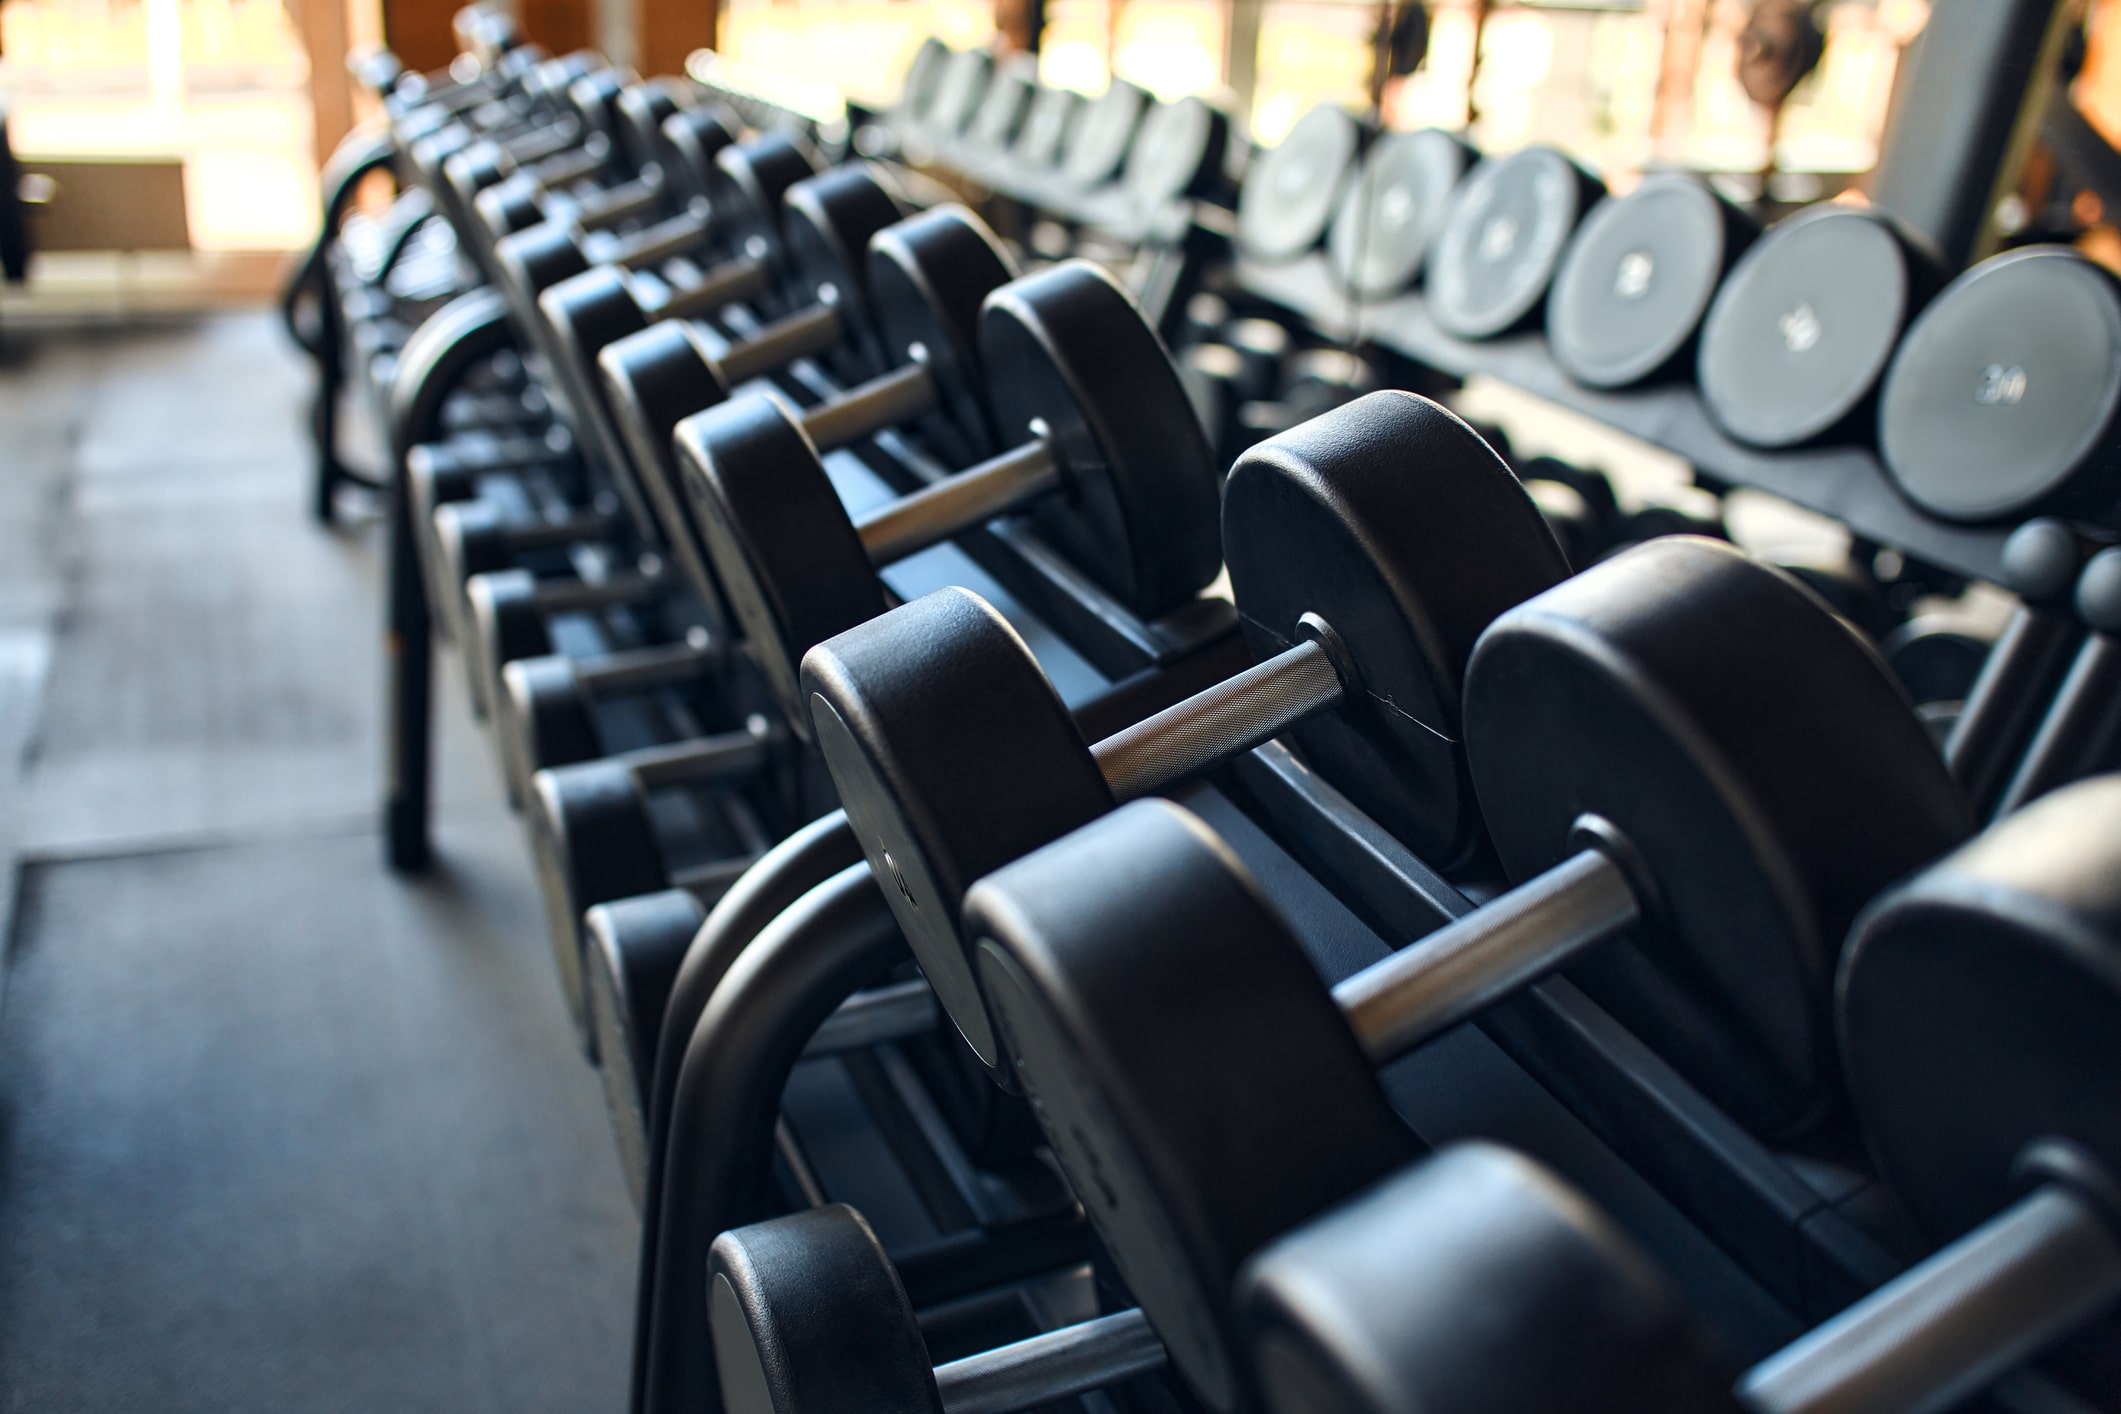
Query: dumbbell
pixel 1389 216
pixel 999 121
pixel 1179 151
pixel 1803 328
pixel 925 280
pixel 923 74
pixel 1694 858
pixel 959 91
pixel 1367 549
pixel 2004 400
pixel 1291 190
pixel 1114 472
pixel 1048 134
pixel 1103 135
pixel 1978 1012
pixel 1631 292
pixel 1502 240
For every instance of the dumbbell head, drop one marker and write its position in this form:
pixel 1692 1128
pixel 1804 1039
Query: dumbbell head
pixel 1049 128
pixel 1103 135
pixel 923 74
pixel 593 841
pixel 1475 1281
pixel 1178 152
pixel 1390 214
pixel 1000 119
pixel 958 94
pixel 1292 190
pixel 1503 239
pixel 1638 277
pixel 1980 1008
pixel 928 278
pixel 690 139
pixel 640 112
pixel 2004 400
pixel 632 950
pixel 1803 328
pixel 1068 357
pixel 953 754
pixel 746 187
pixel 1759 762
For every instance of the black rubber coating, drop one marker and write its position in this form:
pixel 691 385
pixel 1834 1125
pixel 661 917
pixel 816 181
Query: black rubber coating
pixel 1391 213
pixel 953 755
pixel 1503 239
pixel 1068 349
pixel 827 222
pixel 537 258
pixel 960 91
pixel 593 843
pixel 1104 134
pixel 1049 128
pixel 1805 324
pixel 923 75
pixel 1391 520
pixel 1637 280
pixel 632 950
pixel 1001 113
pixel 808 1316
pixel 929 275
pixel 744 193
pixel 2005 398
pixel 1292 190
pixel 1476 1281
pixel 551 712
pixel 1763 764
pixel 1178 152
pixel 1980 1008
pixel 641 110
pixel 791 565
pixel 652 381
pixel 1108 999
pixel 691 139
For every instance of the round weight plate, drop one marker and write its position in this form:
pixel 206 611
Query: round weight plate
pixel 1804 326
pixel 1391 212
pixel 1427 1291
pixel 1763 764
pixel 2003 399
pixel 827 222
pixel 744 194
pixel 929 275
pixel 545 720
pixel 593 842
pixel 1048 126
pixel 690 141
pixel 807 1313
pixel 1637 279
pixel 642 109
pixel 1200 1089
pixel 1178 152
pixel 923 76
pixel 952 755
pixel 1001 113
pixel 631 951
pixel 652 381
pixel 1104 135
pixel 1980 1008
pixel 1068 350
pixel 791 566
pixel 1290 192
pixel 595 95
pixel 1359 517
pixel 959 93
pixel 536 259
pixel 1502 240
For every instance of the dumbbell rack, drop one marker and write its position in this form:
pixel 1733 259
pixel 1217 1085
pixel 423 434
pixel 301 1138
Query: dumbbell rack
pixel 1844 481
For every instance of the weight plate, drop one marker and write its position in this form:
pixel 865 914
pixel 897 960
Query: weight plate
pixel 1201 1090
pixel 546 719
pixel 1290 191
pixel 593 842
pixel 1503 238
pixel 1765 768
pixel 631 951
pixel 690 141
pixel 1068 350
pixel 1104 134
pixel 1390 214
pixel 2002 402
pixel 744 194
pixel 1804 326
pixel 1359 517
pixel 1048 126
pixel 828 221
pixel 929 275
pixel 536 259
pixel 1001 113
pixel 790 564
pixel 1980 1008
pixel 642 109
pixel 1426 1292
pixel 595 95
pixel 1178 152
pixel 958 94
pixel 952 755
pixel 923 76
pixel 1636 281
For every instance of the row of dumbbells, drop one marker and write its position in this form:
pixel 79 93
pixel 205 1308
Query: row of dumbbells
pixel 1696 834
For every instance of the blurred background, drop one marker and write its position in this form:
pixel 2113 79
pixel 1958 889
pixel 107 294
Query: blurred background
pixel 215 114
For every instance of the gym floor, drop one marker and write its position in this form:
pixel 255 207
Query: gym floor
pixel 277 1130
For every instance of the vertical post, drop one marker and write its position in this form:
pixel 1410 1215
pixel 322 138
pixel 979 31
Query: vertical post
pixel 666 31
pixel 1241 54
pixel 324 30
pixel 419 32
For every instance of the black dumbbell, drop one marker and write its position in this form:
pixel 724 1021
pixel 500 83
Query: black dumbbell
pixel 959 91
pixel 2004 400
pixel 1360 587
pixel 1978 1011
pixel 1631 292
pixel 1048 133
pixel 924 74
pixel 1292 190
pixel 1103 452
pixel 1802 330
pixel 1502 240
pixel 1693 855
pixel 1180 150
pixel 1103 135
pixel 1390 215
